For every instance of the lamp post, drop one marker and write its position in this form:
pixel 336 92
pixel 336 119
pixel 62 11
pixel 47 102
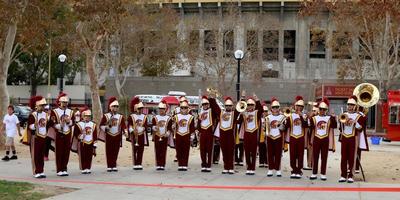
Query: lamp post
pixel 62 58
pixel 238 56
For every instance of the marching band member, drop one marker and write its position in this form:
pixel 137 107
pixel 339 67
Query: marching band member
pixel 62 120
pixel 162 127
pixel 36 135
pixel 275 131
pixel 262 145
pixel 296 124
pixel 349 129
pixel 184 129
pixel 227 121
pixel 363 143
pixel 177 110
pixel 322 138
pixel 85 132
pixel 137 124
pixel 206 134
pixel 314 111
pixel 112 126
pixel 251 121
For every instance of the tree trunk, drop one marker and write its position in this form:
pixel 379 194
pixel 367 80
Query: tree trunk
pixel 5 58
pixel 93 85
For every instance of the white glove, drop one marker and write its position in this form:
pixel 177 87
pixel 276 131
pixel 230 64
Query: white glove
pixel 81 136
pixel 58 126
pixel 32 127
pixel 282 127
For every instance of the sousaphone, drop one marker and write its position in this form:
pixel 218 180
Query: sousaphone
pixel 367 95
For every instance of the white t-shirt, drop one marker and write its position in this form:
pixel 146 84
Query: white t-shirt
pixel 11 122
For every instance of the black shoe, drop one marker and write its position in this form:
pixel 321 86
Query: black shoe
pixel 307 168
pixel 5 158
pixel 215 162
pixel 175 160
pixel 14 157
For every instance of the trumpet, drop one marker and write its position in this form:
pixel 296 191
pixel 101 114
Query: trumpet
pixel 343 118
pixel 213 91
pixel 241 106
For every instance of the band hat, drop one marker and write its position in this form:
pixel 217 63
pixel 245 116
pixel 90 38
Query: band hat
pixel 315 109
pixel 324 104
pixel 204 100
pixel 228 101
pixel 182 98
pixel 299 101
pixel 41 102
pixel 184 104
pixel 265 107
pixel 250 101
pixel 114 103
pixel 162 105
pixel 64 99
pixel 352 100
pixel 87 113
pixel 139 105
pixel 275 102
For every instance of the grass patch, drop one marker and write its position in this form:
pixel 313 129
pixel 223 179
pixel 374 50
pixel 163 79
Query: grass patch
pixel 10 190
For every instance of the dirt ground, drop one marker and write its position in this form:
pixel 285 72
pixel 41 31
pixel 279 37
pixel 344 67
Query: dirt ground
pixel 381 164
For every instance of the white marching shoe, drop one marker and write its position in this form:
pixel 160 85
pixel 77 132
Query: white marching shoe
pixel 279 173
pixel 270 173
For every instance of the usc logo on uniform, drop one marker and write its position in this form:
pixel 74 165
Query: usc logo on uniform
pixel 204 115
pixel 321 125
pixel 297 122
pixel 138 122
pixel 274 124
pixel 42 123
pixel 161 123
pixel 250 118
pixel 182 123
pixel 88 130
pixel 114 122
pixel 226 116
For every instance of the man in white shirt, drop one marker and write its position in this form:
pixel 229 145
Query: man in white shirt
pixel 11 128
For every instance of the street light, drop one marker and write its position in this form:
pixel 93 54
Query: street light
pixel 62 58
pixel 238 56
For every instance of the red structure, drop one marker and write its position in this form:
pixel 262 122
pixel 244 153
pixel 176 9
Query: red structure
pixel 391 115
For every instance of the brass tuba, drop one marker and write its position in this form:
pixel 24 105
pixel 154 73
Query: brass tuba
pixel 367 94
pixel 241 106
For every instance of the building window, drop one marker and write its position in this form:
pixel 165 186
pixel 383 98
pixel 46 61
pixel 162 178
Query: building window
pixel 317 43
pixel 194 36
pixel 270 45
pixel 228 43
pixel 289 45
pixel 394 115
pixel 342 45
pixel 210 43
pixel 252 43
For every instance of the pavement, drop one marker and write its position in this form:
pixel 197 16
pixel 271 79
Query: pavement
pixel 193 184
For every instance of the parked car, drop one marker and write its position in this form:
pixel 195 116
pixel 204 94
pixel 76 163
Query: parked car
pixel 22 113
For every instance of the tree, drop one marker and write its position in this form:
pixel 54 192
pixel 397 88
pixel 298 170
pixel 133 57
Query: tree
pixel 33 69
pixel 214 59
pixel 27 22
pixel 366 39
pixel 145 41
pixel 96 19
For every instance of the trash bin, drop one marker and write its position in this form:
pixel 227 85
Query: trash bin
pixel 375 140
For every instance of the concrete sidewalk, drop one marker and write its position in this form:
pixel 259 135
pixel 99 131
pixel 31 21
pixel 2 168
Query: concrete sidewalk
pixel 171 184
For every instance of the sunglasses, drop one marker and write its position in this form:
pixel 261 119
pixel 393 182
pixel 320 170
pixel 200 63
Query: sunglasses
pixel 184 107
pixel 275 107
pixel 115 106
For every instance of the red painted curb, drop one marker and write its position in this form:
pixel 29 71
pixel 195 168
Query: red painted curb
pixel 218 187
